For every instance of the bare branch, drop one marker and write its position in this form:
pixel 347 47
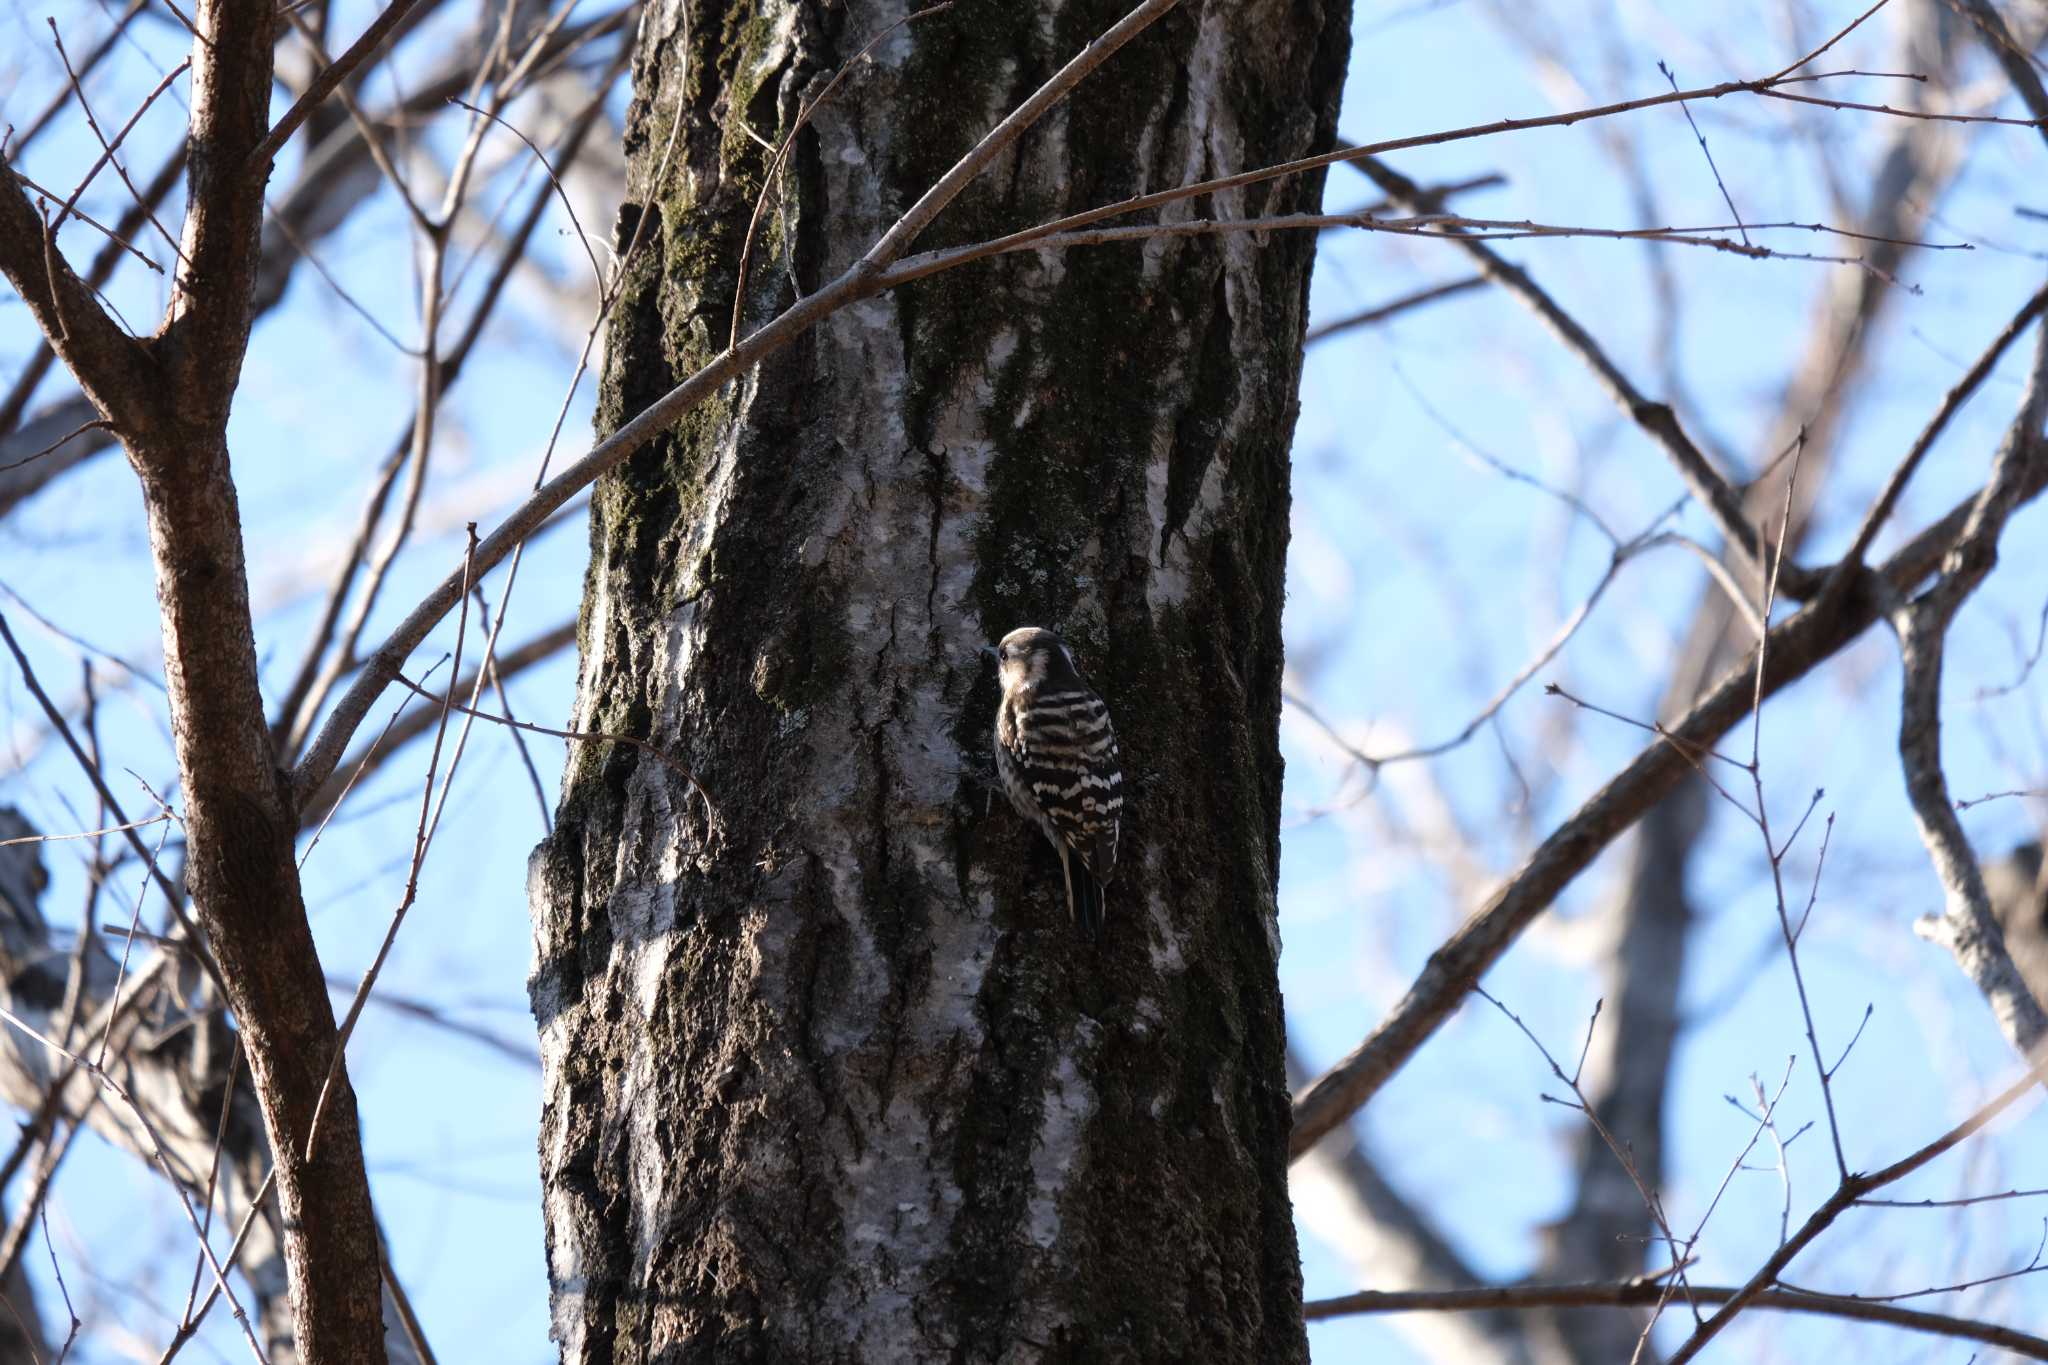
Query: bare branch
pixel 107 149
pixel 371 756
pixel 108 363
pixel 114 1088
pixel 324 84
pixel 2012 58
pixel 1851 1189
pixel 1797 644
pixel 1951 402
pixel 1392 308
pixel 1637 1293
pixel 1969 925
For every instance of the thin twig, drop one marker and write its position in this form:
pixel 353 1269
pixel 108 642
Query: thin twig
pixel 433 1015
pixel 188 1328
pixel 1160 198
pixel 107 149
pixel 134 923
pixel 312 258
pixel 421 838
pixel 1776 852
pixel 1637 1293
pixel 497 680
pixel 582 737
pixel 2034 1266
pixel 12 149
pixel 1840 34
pixel 1852 1188
pixel 99 782
pixel 113 235
pixel 1431 225
pixel 57 1270
pixel 163 1162
pixel 2001 796
pixel 1679 1253
pixel 100 424
pixel 220 1137
pixel 1924 114
pixel 1963 1202
pixel 403 730
pixel 1707 152
pixel 1766 1122
pixel 85 833
pixel 354 777
pixel 1658 728
pixel 408 1321
pixel 582 237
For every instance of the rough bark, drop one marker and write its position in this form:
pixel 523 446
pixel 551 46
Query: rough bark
pixel 828 1075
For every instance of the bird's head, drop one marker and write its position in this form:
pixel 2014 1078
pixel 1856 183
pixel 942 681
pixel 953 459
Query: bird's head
pixel 1030 655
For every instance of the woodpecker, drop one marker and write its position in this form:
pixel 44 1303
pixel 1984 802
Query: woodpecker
pixel 1056 755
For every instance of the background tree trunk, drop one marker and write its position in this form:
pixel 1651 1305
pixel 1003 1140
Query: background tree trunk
pixel 828 1073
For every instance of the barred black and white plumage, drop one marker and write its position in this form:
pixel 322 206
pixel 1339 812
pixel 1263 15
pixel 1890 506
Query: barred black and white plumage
pixel 1056 755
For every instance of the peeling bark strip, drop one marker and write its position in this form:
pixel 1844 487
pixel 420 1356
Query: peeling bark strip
pixel 835 1080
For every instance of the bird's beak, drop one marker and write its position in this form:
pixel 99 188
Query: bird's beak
pixel 988 652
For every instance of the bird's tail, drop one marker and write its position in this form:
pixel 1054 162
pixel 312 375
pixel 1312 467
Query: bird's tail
pixel 1084 896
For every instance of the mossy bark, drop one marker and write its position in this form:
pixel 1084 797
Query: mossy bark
pixel 828 1075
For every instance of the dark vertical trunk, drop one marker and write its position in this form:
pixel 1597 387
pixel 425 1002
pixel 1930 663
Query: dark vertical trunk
pixel 829 1075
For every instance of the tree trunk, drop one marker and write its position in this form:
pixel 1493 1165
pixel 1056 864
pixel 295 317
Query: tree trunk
pixel 828 1073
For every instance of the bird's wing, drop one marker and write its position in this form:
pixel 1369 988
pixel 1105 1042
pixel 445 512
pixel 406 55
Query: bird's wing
pixel 1068 754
